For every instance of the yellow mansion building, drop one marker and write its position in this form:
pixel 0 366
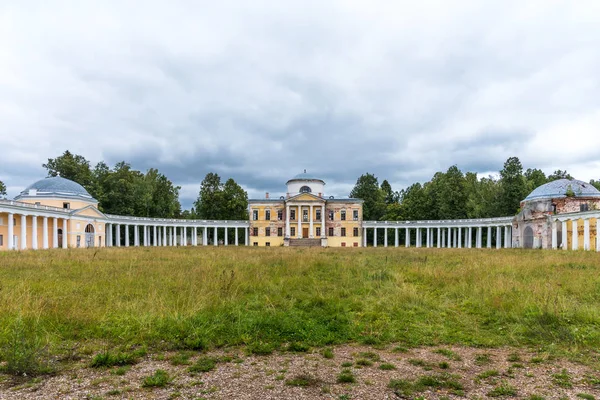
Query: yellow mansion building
pixel 304 216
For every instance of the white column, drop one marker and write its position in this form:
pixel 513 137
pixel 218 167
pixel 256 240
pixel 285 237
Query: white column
pixel 45 233
pixel 287 221
pixel 439 238
pixel 479 237
pixel 374 237
pixel 23 239
pixel 310 221
pixel 55 233
pixel 195 240
pixel 364 237
pixel 118 235
pixel 489 237
pixel 470 239
pixel 323 224
pixel 164 235
pixel 65 234
pixel 11 231
pixel 236 236
pixel 443 230
pixel 396 238
pixel 586 234
pixel 216 243
pixel 575 234
pixel 407 238
pixel 385 242
pixel 428 235
pixel 204 236
pixel 126 235
pixel 155 242
pixel 597 235
pixel 418 240
pixel 34 232
pixel 226 241
pixel 246 236
pixel 507 237
pixel 299 218
pixel 459 237
pixel 554 235
pixel 565 237
pixel 499 236
pixel 450 237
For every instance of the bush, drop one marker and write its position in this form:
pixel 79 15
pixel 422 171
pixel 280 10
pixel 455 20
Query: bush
pixel 24 352
pixel 107 359
pixel 204 364
pixel 160 379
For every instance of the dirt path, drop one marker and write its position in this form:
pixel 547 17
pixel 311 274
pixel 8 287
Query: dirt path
pixel 391 373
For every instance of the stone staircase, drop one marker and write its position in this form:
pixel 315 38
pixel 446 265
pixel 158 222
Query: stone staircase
pixel 305 242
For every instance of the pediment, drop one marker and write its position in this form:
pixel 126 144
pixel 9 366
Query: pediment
pixel 89 211
pixel 306 197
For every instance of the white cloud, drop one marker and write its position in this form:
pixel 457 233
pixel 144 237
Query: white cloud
pixel 261 90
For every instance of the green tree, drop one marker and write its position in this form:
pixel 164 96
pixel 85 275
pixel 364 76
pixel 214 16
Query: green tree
pixel 367 189
pixel 71 166
pixel 2 189
pixel 483 196
pixel 235 201
pixel 209 204
pixel 514 186
pixel 595 184
pixel 559 174
pixel 535 178
pixel 416 203
pixel 452 197
pixel 390 197
pixel 161 194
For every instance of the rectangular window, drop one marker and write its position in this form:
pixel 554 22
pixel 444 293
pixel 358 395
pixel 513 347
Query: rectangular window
pixel 330 231
pixel 355 244
pixel 331 215
pixel 293 215
pixel 78 241
pixel 99 241
pixel 343 215
pixel 267 231
pixel 292 231
pixel 355 231
pixel 280 231
pixel 37 203
pixel 268 244
pixel 355 215
pixel 318 214
pixel 343 244
pixel 268 215
pixel 254 231
pixel 318 231
pixel 584 207
pixel 305 215
pixel 255 244
pixel 1 240
pixel 254 215
pixel 279 215
pixel 343 232
pixel 66 206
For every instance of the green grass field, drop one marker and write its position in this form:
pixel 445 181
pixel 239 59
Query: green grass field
pixel 193 298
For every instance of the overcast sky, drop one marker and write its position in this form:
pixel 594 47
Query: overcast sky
pixel 260 90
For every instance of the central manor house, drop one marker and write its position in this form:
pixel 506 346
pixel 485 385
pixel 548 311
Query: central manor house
pixel 305 217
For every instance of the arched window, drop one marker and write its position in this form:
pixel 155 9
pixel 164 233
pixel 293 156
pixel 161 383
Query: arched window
pixel 528 238
pixel 305 189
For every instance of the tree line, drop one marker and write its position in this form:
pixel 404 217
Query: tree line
pixel 453 194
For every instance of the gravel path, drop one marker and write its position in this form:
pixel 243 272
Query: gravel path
pixel 428 373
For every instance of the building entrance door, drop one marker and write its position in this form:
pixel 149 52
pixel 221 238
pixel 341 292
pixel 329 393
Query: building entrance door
pixel 304 232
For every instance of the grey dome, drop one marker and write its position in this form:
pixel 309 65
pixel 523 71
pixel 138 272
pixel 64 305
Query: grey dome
pixel 304 176
pixel 560 188
pixel 56 187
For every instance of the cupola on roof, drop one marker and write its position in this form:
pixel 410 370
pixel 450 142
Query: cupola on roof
pixel 57 187
pixel 563 188
pixel 304 176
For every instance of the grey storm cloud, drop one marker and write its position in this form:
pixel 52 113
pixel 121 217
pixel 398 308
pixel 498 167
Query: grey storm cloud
pixel 261 90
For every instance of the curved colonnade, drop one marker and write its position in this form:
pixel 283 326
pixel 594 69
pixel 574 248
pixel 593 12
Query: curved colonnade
pixel 32 226
pixel 467 233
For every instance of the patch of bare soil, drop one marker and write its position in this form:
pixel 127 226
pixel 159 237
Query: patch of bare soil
pixel 390 373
